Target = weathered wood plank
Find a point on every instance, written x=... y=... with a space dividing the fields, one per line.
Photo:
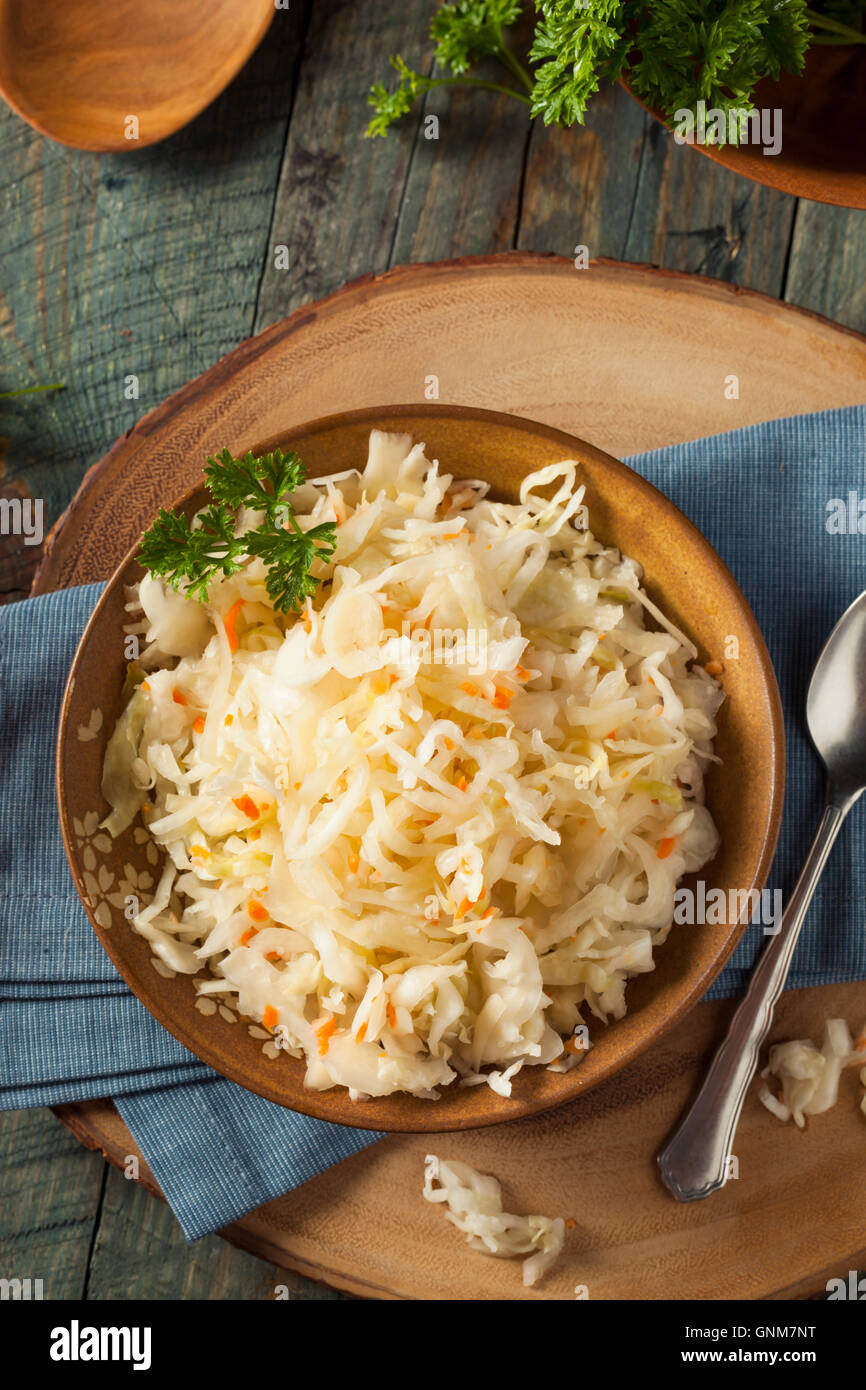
x=827 y=267
x=339 y=194
x=140 y=1252
x=49 y=1199
x=624 y=188
x=463 y=189
x=140 y=265
x=580 y=184
x=694 y=215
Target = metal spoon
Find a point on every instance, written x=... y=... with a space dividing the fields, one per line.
x=694 y=1162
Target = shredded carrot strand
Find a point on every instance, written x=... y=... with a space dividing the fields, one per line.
x=665 y=846
x=392 y=1014
x=229 y=621
x=361 y=1033
x=324 y=1033
x=178 y=696
x=247 y=806
x=199 y=725
x=256 y=911
x=354 y=862
x=468 y=688
x=248 y=935
x=270 y=1015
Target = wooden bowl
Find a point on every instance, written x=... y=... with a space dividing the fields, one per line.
x=682 y=572
x=823 y=154
x=78 y=69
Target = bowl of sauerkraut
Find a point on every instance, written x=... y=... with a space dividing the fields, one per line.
x=415 y=849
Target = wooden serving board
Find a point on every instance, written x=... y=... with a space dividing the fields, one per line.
x=794 y=1217
x=631 y=358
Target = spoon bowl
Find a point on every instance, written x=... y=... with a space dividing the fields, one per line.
x=836 y=704
x=120 y=74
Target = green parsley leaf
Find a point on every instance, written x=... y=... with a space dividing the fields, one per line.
x=290 y=556
x=574 y=50
x=391 y=106
x=260 y=483
x=471 y=29
x=190 y=557
x=464 y=32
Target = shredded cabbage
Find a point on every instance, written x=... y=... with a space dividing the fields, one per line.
x=420 y=827
x=474 y=1202
x=809 y=1077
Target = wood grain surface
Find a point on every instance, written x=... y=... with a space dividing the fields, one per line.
x=791 y=1219
x=82 y=73
x=158 y=262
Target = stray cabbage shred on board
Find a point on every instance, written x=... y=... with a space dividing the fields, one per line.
x=422 y=829
x=474 y=1202
x=808 y=1076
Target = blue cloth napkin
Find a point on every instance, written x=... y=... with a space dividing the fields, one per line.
x=763 y=497
x=71 y=1030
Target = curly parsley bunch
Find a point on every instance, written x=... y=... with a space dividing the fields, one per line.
x=673 y=53
x=190 y=557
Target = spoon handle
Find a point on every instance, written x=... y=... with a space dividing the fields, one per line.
x=695 y=1160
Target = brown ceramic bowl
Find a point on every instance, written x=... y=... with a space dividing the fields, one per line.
x=682 y=572
x=823 y=153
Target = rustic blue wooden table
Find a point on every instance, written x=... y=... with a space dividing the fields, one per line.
x=155 y=263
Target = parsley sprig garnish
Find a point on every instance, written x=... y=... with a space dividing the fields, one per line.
x=673 y=53
x=190 y=557
x=464 y=33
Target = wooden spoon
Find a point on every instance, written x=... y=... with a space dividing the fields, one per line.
x=119 y=74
